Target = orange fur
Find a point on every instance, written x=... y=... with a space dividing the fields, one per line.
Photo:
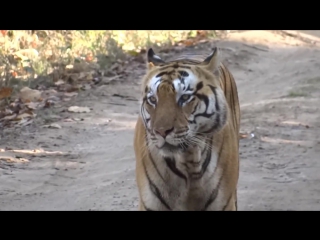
x=161 y=189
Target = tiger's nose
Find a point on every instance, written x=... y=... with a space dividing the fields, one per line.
x=163 y=132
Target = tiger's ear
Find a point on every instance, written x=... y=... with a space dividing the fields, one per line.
x=153 y=59
x=211 y=63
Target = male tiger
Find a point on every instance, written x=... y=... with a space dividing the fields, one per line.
x=187 y=136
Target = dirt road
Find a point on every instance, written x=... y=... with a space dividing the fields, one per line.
x=88 y=164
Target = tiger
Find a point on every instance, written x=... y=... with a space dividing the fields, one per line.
x=186 y=137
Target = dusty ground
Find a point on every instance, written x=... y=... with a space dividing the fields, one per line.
x=89 y=164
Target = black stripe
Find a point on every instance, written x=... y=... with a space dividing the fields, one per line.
x=225 y=206
x=198 y=87
x=223 y=78
x=164 y=67
x=145 y=207
x=161 y=74
x=236 y=200
x=154 y=189
x=195 y=108
x=205 y=99
x=183 y=73
x=218 y=161
x=143 y=115
x=152 y=160
x=206 y=162
x=171 y=163
x=232 y=85
x=187 y=67
x=182 y=130
x=183 y=146
x=155 y=166
x=236 y=204
x=212 y=129
x=213 y=195
x=215 y=96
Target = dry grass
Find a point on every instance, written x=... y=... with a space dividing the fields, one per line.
x=26 y=55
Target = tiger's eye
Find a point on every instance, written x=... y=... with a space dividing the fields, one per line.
x=152 y=99
x=185 y=97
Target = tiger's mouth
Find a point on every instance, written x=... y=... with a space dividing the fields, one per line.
x=173 y=148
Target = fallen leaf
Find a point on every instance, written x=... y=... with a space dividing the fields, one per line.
x=32 y=105
x=69 y=66
x=77 y=109
x=59 y=82
x=14 y=74
x=29 y=95
x=188 y=42
x=7 y=111
x=23 y=115
x=68 y=88
x=28 y=111
x=25 y=122
x=107 y=80
x=133 y=53
x=49 y=103
x=96 y=80
x=5 y=92
x=86 y=87
x=73 y=78
x=70 y=94
x=49 y=93
x=74 y=88
x=81 y=67
x=114 y=66
x=243 y=135
x=202 y=33
x=10 y=117
x=53 y=125
x=82 y=75
x=26 y=54
x=89 y=77
x=89 y=57
x=2 y=115
x=68 y=120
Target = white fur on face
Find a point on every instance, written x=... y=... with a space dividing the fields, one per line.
x=187 y=86
x=181 y=88
x=153 y=85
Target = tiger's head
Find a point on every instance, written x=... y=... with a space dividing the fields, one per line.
x=182 y=101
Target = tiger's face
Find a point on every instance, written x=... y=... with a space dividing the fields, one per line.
x=182 y=102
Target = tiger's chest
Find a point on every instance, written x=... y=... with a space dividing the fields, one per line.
x=191 y=191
